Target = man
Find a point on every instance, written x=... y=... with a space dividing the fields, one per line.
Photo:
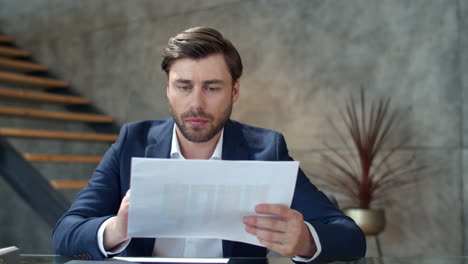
x=203 y=70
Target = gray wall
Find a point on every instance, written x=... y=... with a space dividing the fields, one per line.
x=302 y=58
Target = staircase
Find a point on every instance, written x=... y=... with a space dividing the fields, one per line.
x=26 y=82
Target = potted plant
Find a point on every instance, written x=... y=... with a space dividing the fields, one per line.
x=368 y=170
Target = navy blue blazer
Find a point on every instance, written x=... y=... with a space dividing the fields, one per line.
x=75 y=234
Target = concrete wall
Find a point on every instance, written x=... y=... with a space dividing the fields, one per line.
x=302 y=58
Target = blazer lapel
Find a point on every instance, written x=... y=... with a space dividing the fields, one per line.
x=234 y=147
x=162 y=138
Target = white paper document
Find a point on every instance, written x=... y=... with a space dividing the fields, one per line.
x=173 y=260
x=204 y=198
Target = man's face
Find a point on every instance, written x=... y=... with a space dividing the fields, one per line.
x=201 y=94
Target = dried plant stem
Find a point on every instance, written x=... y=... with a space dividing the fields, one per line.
x=375 y=172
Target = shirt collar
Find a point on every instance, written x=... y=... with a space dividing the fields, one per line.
x=177 y=154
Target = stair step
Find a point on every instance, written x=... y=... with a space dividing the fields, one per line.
x=42 y=97
x=68 y=184
x=64 y=135
x=13 y=52
x=61 y=158
x=21 y=79
x=37 y=113
x=5 y=39
x=22 y=66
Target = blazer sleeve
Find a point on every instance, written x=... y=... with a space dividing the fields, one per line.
x=75 y=234
x=340 y=237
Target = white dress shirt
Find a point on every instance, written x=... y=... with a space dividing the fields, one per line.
x=190 y=247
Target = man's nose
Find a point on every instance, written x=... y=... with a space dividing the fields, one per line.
x=198 y=99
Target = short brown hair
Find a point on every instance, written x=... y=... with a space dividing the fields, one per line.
x=199 y=43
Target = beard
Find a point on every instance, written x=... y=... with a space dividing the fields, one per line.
x=201 y=134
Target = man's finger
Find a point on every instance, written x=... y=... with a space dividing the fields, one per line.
x=273 y=209
x=277 y=248
x=127 y=196
x=266 y=223
x=267 y=235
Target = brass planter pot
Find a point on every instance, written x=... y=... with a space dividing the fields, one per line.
x=371 y=221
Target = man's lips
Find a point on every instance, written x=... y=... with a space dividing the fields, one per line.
x=197 y=122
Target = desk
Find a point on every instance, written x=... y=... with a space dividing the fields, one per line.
x=53 y=259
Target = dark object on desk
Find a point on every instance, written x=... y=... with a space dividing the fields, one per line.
x=251 y=261
x=10 y=255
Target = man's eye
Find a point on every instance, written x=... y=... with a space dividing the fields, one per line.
x=212 y=89
x=184 y=88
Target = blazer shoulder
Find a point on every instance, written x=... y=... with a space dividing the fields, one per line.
x=256 y=138
x=250 y=131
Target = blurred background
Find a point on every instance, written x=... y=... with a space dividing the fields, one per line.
x=302 y=60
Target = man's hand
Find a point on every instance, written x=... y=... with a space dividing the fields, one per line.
x=286 y=234
x=116 y=230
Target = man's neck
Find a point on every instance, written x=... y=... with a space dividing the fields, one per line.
x=193 y=150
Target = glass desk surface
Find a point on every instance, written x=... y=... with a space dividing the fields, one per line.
x=54 y=259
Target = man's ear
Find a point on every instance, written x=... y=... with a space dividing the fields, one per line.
x=235 y=90
x=167 y=94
